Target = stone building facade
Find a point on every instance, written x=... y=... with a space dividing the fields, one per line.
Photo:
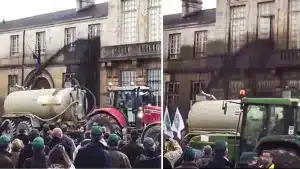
x=115 y=42
x=241 y=44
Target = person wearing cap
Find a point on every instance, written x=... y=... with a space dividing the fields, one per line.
x=248 y=160
x=93 y=155
x=148 y=159
x=46 y=133
x=57 y=138
x=220 y=160
x=23 y=136
x=27 y=151
x=120 y=160
x=189 y=159
x=133 y=149
x=38 y=160
x=173 y=151
x=5 y=156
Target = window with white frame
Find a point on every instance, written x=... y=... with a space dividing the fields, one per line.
x=154 y=20
x=238 y=28
x=70 y=37
x=129 y=11
x=200 y=43
x=266 y=24
x=294 y=24
x=154 y=81
x=174 y=46
x=14 y=45
x=94 y=30
x=127 y=77
x=40 y=40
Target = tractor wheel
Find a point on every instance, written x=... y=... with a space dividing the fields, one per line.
x=111 y=124
x=8 y=127
x=153 y=132
x=24 y=125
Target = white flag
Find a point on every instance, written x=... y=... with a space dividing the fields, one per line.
x=167 y=124
x=178 y=123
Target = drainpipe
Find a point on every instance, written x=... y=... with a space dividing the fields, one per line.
x=23 y=57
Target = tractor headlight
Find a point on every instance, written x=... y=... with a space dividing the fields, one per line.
x=140 y=113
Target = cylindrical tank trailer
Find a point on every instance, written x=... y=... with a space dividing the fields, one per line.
x=209 y=115
x=45 y=105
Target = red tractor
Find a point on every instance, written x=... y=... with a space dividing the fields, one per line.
x=129 y=107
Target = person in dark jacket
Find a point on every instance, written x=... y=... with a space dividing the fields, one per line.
x=87 y=140
x=23 y=136
x=67 y=140
x=93 y=155
x=220 y=160
x=248 y=160
x=5 y=156
x=27 y=151
x=46 y=134
x=148 y=159
x=120 y=160
x=57 y=138
x=38 y=160
x=189 y=159
x=133 y=149
x=206 y=158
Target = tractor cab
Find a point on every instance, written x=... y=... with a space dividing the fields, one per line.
x=130 y=100
x=268 y=117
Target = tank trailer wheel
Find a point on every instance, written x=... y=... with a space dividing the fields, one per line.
x=9 y=128
x=25 y=125
x=106 y=120
x=153 y=132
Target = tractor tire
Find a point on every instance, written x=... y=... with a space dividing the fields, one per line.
x=8 y=127
x=25 y=125
x=153 y=132
x=106 y=120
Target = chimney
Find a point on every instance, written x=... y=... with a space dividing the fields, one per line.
x=190 y=7
x=83 y=4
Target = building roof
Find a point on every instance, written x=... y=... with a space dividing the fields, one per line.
x=97 y=10
x=207 y=16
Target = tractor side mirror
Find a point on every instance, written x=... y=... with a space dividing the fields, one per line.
x=224 y=107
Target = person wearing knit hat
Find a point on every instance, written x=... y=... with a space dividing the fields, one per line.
x=38 y=143
x=5 y=156
x=93 y=155
x=189 y=156
x=120 y=160
x=113 y=140
x=38 y=159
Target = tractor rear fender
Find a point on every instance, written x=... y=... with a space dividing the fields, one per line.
x=148 y=127
x=115 y=113
x=287 y=142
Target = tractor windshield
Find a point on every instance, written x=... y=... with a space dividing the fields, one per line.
x=264 y=120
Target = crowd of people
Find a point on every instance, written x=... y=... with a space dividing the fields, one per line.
x=55 y=149
x=186 y=157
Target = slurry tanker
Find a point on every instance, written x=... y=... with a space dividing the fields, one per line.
x=129 y=107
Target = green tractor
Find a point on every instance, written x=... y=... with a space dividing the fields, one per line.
x=268 y=124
